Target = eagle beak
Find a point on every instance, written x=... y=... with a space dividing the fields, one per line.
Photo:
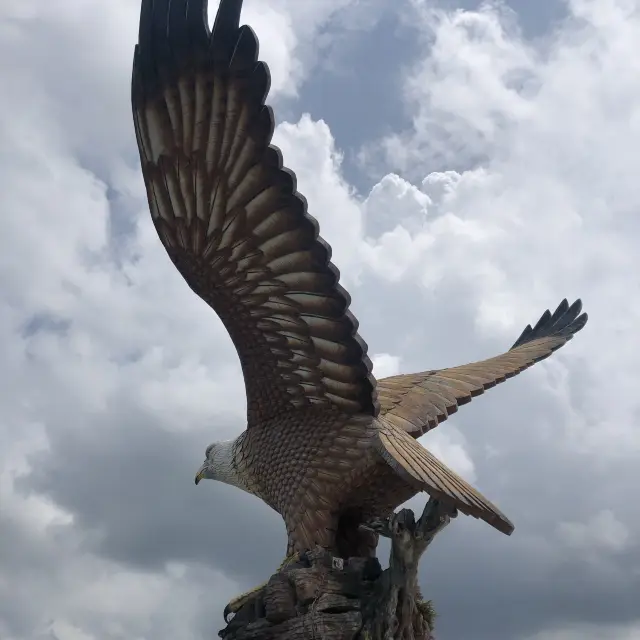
x=200 y=474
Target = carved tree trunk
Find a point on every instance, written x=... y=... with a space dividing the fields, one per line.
x=326 y=598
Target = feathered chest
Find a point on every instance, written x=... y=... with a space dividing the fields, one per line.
x=306 y=451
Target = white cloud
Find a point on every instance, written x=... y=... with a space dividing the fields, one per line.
x=449 y=445
x=395 y=202
x=63 y=630
x=577 y=632
x=385 y=365
x=602 y=530
x=309 y=147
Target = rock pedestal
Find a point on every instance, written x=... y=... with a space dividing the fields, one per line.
x=321 y=597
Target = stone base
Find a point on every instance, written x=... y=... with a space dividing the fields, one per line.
x=325 y=598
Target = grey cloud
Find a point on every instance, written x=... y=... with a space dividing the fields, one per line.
x=129 y=483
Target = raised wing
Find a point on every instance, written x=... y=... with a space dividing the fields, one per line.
x=418 y=402
x=229 y=215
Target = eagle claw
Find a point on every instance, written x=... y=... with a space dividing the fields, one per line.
x=237 y=603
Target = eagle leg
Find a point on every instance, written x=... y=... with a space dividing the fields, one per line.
x=435 y=516
x=245 y=598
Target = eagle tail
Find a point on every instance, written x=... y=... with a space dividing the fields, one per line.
x=420 y=468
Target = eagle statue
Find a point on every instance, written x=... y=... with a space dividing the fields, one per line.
x=326 y=445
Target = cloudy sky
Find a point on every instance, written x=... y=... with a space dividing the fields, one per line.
x=471 y=165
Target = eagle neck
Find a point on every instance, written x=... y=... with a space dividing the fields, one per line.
x=227 y=468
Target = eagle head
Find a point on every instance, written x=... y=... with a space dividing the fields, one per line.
x=219 y=464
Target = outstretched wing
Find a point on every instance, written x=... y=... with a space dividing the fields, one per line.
x=418 y=402
x=229 y=215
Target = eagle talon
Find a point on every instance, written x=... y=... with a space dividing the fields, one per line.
x=240 y=601
x=237 y=603
x=381 y=526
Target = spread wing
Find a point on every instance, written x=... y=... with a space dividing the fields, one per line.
x=229 y=215
x=418 y=402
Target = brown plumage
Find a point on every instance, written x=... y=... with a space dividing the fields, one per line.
x=325 y=444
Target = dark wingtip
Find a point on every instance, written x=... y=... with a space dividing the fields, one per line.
x=564 y=322
x=164 y=19
x=504 y=525
x=168 y=31
x=173 y=32
x=228 y=17
x=224 y=35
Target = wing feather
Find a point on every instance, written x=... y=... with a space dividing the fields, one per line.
x=229 y=215
x=420 y=468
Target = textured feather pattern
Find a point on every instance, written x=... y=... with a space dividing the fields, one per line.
x=410 y=460
x=418 y=402
x=229 y=215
